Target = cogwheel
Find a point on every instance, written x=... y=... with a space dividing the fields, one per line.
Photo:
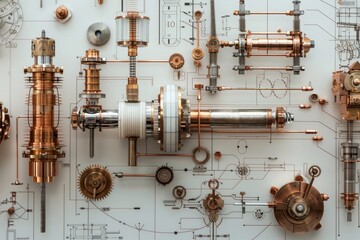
x=164 y=175
x=95 y=182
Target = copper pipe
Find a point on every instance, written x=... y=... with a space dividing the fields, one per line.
x=288 y=68
x=163 y=155
x=137 y=175
x=260 y=131
x=288 y=13
x=270 y=33
x=305 y=89
x=138 y=61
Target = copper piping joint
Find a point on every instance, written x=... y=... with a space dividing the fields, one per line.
x=92 y=93
x=4 y=123
x=43 y=148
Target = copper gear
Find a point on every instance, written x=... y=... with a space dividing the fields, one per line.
x=95 y=182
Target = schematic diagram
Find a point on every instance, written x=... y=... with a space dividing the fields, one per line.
x=179 y=119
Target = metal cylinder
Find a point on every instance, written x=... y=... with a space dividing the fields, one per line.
x=349 y=157
x=132 y=151
x=105 y=119
x=233 y=118
x=43 y=147
x=132 y=29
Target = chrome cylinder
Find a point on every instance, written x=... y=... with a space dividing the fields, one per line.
x=103 y=119
x=237 y=118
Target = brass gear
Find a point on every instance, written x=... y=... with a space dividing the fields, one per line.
x=95 y=182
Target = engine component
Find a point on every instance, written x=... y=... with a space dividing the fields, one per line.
x=62 y=14
x=91 y=115
x=98 y=34
x=176 y=61
x=298 y=206
x=179 y=192
x=213 y=202
x=242 y=118
x=293 y=43
x=4 y=123
x=346 y=90
x=132 y=32
x=197 y=52
x=43 y=148
x=213 y=46
x=164 y=175
x=95 y=182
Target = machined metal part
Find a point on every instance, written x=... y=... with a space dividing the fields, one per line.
x=43 y=147
x=298 y=206
x=241 y=118
x=62 y=14
x=98 y=34
x=179 y=192
x=95 y=182
x=213 y=46
x=213 y=202
x=288 y=44
x=164 y=175
x=346 y=91
x=176 y=61
x=91 y=115
x=4 y=123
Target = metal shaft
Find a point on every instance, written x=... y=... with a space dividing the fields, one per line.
x=349 y=158
x=43 y=208
x=132 y=152
x=92 y=140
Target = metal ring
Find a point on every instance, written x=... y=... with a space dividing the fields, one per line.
x=314 y=171
x=198 y=161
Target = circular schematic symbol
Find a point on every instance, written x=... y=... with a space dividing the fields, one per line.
x=164 y=175
x=95 y=182
x=259 y=214
x=242 y=146
x=265 y=87
x=11 y=19
x=280 y=84
x=243 y=170
x=179 y=192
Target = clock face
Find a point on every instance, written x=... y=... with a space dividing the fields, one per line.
x=11 y=19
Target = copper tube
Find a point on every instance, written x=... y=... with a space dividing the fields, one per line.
x=260 y=131
x=270 y=33
x=138 y=61
x=288 y=13
x=287 y=68
x=305 y=89
x=163 y=155
x=137 y=175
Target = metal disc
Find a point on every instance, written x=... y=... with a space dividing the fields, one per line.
x=98 y=34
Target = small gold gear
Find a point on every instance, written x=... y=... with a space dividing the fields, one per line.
x=95 y=182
